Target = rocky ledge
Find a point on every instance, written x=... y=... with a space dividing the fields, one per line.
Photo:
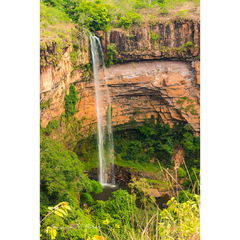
x=177 y=39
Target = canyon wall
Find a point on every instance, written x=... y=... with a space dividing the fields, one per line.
x=176 y=39
x=160 y=79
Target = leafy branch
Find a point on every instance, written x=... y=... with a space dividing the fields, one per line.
x=61 y=210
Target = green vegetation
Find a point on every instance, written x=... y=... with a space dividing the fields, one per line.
x=61 y=177
x=130 y=18
x=93 y=14
x=189 y=44
x=77 y=224
x=163 y=11
x=186 y=104
x=60 y=210
x=70 y=101
x=147 y=147
x=158 y=184
x=55 y=29
x=182 y=13
x=154 y=37
x=185 y=216
x=119 y=218
x=51 y=14
x=135 y=148
x=49 y=128
x=116 y=209
x=181 y=173
x=141 y=187
x=111 y=52
x=45 y=105
x=149 y=141
x=122 y=221
x=65 y=22
x=106 y=14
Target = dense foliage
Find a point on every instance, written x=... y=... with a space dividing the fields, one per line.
x=157 y=141
x=62 y=20
x=111 y=51
x=70 y=101
x=61 y=176
x=117 y=209
x=94 y=14
x=62 y=179
x=107 y=14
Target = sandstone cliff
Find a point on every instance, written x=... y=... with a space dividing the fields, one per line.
x=177 y=39
x=138 y=88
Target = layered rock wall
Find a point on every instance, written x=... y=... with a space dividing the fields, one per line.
x=176 y=39
x=55 y=82
x=139 y=89
x=153 y=88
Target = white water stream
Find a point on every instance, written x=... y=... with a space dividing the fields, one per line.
x=104 y=115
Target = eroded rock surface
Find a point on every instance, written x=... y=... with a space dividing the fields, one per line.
x=138 y=91
x=153 y=88
x=158 y=41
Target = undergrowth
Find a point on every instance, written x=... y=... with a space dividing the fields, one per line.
x=120 y=218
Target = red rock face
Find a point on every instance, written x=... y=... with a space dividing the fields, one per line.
x=138 y=89
x=137 y=92
x=153 y=88
x=55 y=81
x=170 y=43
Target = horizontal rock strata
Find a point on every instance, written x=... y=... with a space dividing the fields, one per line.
x=168 y=40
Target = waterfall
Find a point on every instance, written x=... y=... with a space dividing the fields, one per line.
x=104 y=115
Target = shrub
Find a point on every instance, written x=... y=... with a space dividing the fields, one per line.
x=185 y=215
x=130 y=19
x=193 y=181
x=142 y=191
x=186 y=195
x=95 y=14
x=61 y=176
x=120 y=205
x=154 y=37
x=163 y=11
x=70 y=101
x=76 y=225
x=182 y=13
x=189 y=44
x=49 y=128
x=51 y=15
x=139 y=5
x=181 y=173
x=111 y=51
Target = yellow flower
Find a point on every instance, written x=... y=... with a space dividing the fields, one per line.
x=96 y=237
x=117 y=226
x=106 y=222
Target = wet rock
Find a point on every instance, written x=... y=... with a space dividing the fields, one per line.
x=164 y=206
x=154 y=193
x=119 y=175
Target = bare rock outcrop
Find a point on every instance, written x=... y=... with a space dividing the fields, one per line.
x=173 y=39
x=161 y=87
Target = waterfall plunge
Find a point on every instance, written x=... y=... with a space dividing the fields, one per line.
x=104 y=116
